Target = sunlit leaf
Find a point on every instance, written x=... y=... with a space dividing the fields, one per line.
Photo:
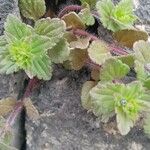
x=32 y=9
x=113 y=69
x=31 y=110
x=92 y=3
x=129 y=37
x=99 y=52
x=15 y=29
x=60 y=52
x=54 y=29
x=72 y=20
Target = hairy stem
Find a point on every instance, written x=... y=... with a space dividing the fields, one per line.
x=19 y=106
x=114 y=49
x=68 y=9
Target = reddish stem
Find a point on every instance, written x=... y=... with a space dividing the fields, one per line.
x=20 y=104
x=68 y=9
x=118 y=50
x=80 y=32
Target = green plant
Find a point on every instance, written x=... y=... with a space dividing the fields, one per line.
x=116 y=17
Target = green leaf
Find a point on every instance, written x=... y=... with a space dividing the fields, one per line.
x=72 y=20
x=113 y=69
x=126 y=101
x=32 y=9
x=86 y=16
x=99 y=52
x=85 y=96
x=92 y=3
x=142 y=51
x=53 y=29
x=124 y=123
x=15 y=29
x=116 y=17
x=60 y=52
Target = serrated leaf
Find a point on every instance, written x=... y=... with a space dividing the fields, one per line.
x=31 y=110
x=72 y=20
x=54 y=29
x=15 y=29
x=113 y=69
x=129 y=37
x=77 y=58
x=32 y=9
x=127 y=59
x=85 y=96
x=124 y=123
x=99 y=52
x=86 y=16
x=92 y=3
x=116 y=17
x=142 y=49
x=80 y=43
x=60 y=52
x=6 y=105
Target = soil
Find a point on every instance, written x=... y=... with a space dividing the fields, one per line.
x=64 y=124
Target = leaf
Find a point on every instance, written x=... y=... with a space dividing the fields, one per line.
x=80 y=43
x=92 y=3
x=95 y=74
x=113 y=69
x=142 y=51
x=99 y=52
x=129 y=37
x=15 y=29
x=147 y=125
x=86 y=16
x=116 y=17
x=60 y=52
x=3 y=43
x=85 y=96
x=77 y=58
x=32 y=9
x=54 y=29
x=7 y=105
x=127 y=59
x=124 y=123
x=31 y=111
x=72 y=20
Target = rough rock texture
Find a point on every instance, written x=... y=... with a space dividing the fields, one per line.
x=12 y=84
x=65 y=125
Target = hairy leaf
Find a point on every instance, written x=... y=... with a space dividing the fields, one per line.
x=15 y=29
x=80 y=43
x=54 y=29
x=99 y=52
x=32 y=9
x=72 y=20
x=113 y=69
x=31 y=110
x=60 y=52
x=116 y=17
x=86 y=16
x=126 y=101
x=92 y=3
x=85 y=96
x=129 y=37
x=6 y=105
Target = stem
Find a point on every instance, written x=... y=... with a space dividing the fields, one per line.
x=20 y=104
x=118 y=50
x=80 y=32
x=68 y=9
